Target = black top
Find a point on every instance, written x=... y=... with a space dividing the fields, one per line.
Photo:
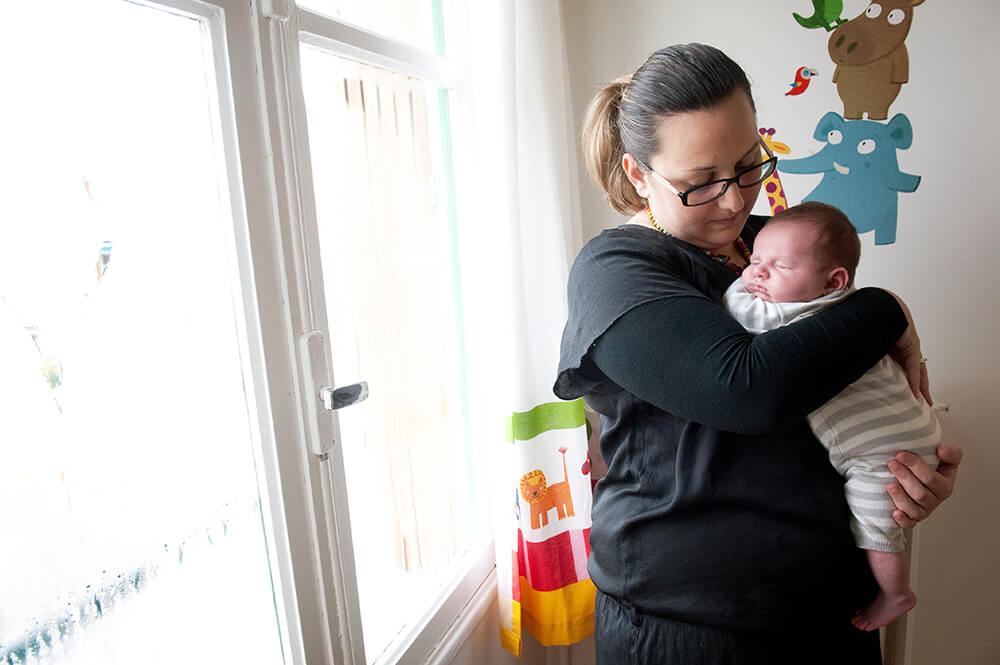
x=719 y=506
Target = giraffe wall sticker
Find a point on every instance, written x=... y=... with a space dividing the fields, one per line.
x=772 y=184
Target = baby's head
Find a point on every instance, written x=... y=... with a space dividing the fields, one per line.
x=802 y=253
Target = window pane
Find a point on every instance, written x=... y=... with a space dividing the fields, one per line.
x=391 y=296
x=409 y=21
x=129 y=506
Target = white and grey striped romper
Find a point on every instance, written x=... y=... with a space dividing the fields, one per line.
x=862 y=427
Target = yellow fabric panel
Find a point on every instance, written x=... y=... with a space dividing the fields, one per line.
x=558 y=617
x=511 y=641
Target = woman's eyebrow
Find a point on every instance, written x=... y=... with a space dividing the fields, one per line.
x=755 y=148
x=696 y=169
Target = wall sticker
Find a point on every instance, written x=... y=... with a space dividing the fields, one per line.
x=871 y=58
x=861 y=174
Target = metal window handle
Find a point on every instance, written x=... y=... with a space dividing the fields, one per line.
x=338 y=398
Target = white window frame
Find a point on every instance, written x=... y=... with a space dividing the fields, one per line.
x=264 y=134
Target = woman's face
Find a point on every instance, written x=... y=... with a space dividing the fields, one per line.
x=696 y=148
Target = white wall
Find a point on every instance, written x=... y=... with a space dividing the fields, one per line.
x=941 y=263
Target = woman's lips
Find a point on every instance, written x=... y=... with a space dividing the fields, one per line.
x=725 y=220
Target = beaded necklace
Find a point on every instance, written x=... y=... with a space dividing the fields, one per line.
x=721 y=258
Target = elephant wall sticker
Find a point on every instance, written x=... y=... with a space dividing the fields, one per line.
x=860 y=170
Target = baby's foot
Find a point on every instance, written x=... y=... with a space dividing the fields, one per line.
x=884 y=610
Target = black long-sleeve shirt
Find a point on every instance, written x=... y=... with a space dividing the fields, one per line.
x=719 y=506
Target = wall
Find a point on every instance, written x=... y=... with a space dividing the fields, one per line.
x=941 y=263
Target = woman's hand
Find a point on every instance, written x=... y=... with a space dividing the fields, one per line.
x=921 y=489
x=907 y=353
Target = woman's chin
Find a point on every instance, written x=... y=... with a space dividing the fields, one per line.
x=724 y=233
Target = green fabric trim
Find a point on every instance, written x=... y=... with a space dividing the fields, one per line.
x=522 y=426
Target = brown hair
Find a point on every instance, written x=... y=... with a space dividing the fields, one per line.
x=625 y=114
x=836 y=238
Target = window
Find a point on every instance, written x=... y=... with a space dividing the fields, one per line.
x=131 y=495
x=379 y=146
x=197 y=205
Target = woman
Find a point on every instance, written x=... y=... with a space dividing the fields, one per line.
x=720 y=532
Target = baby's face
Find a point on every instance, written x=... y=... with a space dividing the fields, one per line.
x=784 y=266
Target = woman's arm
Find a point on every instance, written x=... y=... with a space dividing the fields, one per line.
x=686 y=355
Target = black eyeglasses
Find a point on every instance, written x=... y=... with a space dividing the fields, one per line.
x=702 y=194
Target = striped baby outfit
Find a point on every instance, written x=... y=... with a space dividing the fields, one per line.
x=862 y=427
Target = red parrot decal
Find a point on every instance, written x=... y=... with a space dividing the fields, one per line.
x=801 y=82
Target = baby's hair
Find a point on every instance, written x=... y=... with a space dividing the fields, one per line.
x=836 y=238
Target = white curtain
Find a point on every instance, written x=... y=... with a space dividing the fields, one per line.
x=528 y=230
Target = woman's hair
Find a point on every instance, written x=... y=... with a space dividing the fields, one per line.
x=625 y=114
x=836 y=243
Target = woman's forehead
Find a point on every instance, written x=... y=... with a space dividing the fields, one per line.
x=709 y=138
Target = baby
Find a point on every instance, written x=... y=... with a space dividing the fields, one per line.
x=804 y=261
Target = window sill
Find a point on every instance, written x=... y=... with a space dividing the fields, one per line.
x=436 y=640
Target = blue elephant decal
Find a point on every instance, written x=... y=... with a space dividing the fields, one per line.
x=861 y=175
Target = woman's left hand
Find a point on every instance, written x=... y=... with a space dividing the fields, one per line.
x=920 y=489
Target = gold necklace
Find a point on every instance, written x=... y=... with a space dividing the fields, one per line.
x=721 y=258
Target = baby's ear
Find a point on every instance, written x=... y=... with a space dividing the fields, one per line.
x=837 y=280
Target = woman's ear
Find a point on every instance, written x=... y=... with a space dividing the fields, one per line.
x=636 y=175
x=837 y=280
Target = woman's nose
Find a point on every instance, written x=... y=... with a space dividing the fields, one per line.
x=733 y=198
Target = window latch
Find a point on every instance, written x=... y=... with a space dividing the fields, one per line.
x=338 y=398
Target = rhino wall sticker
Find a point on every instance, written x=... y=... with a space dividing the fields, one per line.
x=861 y=174
x=870 y=54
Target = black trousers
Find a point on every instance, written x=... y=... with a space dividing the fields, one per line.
x=624 y=636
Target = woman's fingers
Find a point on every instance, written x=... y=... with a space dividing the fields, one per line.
x=919 y=488
x=913 y=493
x=951 y=457
x=904 y=507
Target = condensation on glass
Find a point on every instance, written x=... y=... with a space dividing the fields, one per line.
x=130 y=512
x=392 y=298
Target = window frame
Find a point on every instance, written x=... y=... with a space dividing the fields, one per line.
x=314 y=551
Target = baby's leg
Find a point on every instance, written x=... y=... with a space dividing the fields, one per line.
x=895 y=597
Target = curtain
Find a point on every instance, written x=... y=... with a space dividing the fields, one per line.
x=527 y=194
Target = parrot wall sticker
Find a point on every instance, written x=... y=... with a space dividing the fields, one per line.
x=861 y=174
x=826 y=15
x=801 y=83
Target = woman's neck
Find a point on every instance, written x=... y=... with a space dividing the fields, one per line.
x=731 y=251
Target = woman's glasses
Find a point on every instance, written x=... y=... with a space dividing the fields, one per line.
x=711 y=191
